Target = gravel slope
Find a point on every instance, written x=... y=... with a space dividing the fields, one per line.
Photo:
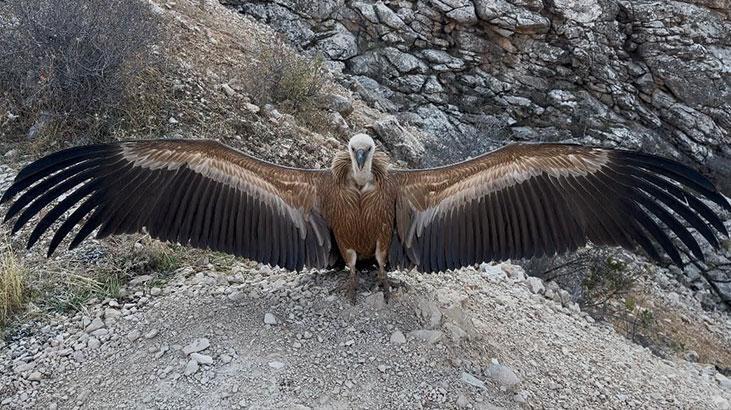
x=437 y=344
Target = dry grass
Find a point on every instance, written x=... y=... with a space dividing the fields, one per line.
x=284 y=77
x=666 y=330
x=78 y=71
x=12 y=276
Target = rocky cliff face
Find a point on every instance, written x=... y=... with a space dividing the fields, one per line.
x=473 y=73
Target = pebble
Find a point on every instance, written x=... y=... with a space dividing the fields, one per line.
x=93 y=343
x=196 y=346
x=398 y=338
x=99 y=332
x=110 y=313
x=276 y=365
x=270 y=319
x=155 y=291
x=429 y=336
x=521 y=396
x=502 y=375
x=252 y=108
x=724 y=382
x=236 y=296
x=95 y=324
x=201 y=358
x=35 y=376
x=191 y=367
x=721 y=403
x=152 y=333
x=228 y=90
x=134 y=335
x=24 y=367
x=173 y=120
x=535 y=285
x=472 y=380
x=462 y=401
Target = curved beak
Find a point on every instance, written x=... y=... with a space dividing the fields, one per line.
x=360 y=157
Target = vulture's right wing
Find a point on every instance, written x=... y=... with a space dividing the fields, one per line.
x=528 y=200
x=194 y=192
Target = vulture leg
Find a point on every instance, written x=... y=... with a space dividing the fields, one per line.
x=381 y=255
x=352 y=283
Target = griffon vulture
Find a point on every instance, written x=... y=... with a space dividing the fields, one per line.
x=520 y=201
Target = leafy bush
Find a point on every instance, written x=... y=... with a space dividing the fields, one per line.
x=75 y=67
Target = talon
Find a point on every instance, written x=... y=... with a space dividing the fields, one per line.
x=385 y=285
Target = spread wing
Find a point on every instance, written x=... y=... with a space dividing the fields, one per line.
x=198 y=193
x=529 y=200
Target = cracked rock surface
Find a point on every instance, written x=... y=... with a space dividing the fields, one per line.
x=472 y=74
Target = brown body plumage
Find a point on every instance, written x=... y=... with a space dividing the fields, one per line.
x=520 y=201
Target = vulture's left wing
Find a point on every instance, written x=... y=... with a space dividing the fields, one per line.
x=195 y=192
x=529 y=200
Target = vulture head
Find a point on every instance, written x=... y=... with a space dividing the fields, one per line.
x=361 y=148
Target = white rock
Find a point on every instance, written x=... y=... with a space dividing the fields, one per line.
x=430 y=312
x=152 y=333
x=503 y=375
x=95 y=324
x=521 y=396
x=270 y=319
x=155 y=291
x=429 y=336
x=24 y=367
x=723 y=381
x=201 y=358
x=228 y=90
x=99 y=333
x=236 y=296
x=196 y=346
x=78 y=356
x=462 y=401
x=472 y=380
x=110 y=313
x=535 y=285
x=173 y=121
x=276 y=365
x=133 y=335
x=35 y=377
x=398 y=338
x=191 y=367
x=253 y=108
x=515 y=273
x=93 y=343
x=721 y=403
x=492 y=271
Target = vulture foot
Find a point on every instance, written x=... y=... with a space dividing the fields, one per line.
x=385 y=285
x=349 y=287
x=389 y=286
